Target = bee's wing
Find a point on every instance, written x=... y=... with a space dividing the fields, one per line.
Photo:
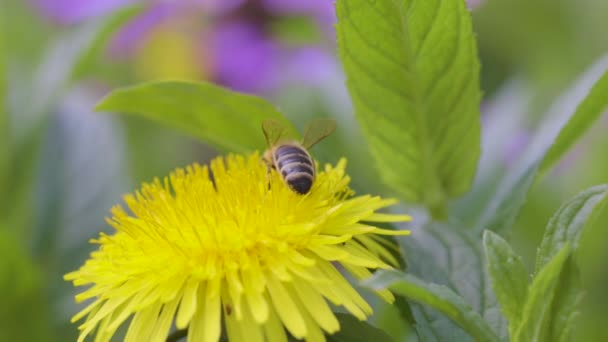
x=316 y=130
x=274 y=131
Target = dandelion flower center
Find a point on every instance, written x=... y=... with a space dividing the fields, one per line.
x=232 y=246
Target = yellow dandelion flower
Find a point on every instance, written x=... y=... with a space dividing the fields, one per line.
x=238 y=251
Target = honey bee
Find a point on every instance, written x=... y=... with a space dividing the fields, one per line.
x=291 y=158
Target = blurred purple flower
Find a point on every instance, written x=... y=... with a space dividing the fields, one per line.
x=130 y=37
x=515 y=147
x=308 y=65
x=244 y=59
x=472 y=4
x=237 y=42
x=322 y=10
x=73 y=11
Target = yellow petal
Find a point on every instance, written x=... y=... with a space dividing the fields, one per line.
x=273 y=328
x=143 y=323
x=316 y=306
x=163 y=324
x=187 y=306
x=286 y=308
x=212 y=315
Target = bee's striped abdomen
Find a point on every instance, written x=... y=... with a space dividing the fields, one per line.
x=296 y=167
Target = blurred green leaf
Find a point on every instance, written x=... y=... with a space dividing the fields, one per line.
x=588 y=111
x=450 y=255
x=509 y=277
x=567 y=224
x=16 y=208
x=296 y=31
x=354 y=330
x=439 y=297
x=537 y=312
x=412 y=72
x=29 y=114
x=65 y=60
x=24 y=314
x=228 y=120
x=577 y=104
x=5 y=140
x=107 y=27
x=24 y=30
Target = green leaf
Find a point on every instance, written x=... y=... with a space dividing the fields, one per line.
x=568 y=223
x=508 y=275
x=450 y=255
x=573 y=112
x=587 y=112
x=537 y=310
x=228 y=120
x=354 y=330
x=412 y=73
x=439 y=297
x=396 y=319
x=24 y=313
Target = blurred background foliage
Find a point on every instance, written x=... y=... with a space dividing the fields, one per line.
x=65 y=165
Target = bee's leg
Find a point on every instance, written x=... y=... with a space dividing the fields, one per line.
x=269 y=167
x=212 y=178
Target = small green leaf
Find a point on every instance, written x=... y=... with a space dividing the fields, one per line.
x=587 y=112
x=570 y=225
x=508 y=275
x=568 y=222
x=537 y=313
x=591 y=253
x=354 y=330
x=572 y=113
x=413 y=75
x=439 y=297
x=228 y=120
x=565 y=308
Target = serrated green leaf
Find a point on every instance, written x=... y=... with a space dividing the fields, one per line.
x=568 y=222
x=509 y=276
x=228 y=120
x=354 y=330
x=536 y=315
x=573 y=112
x=412 y=73
x=594 y=104
x=439 y=297
x=450 y=255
